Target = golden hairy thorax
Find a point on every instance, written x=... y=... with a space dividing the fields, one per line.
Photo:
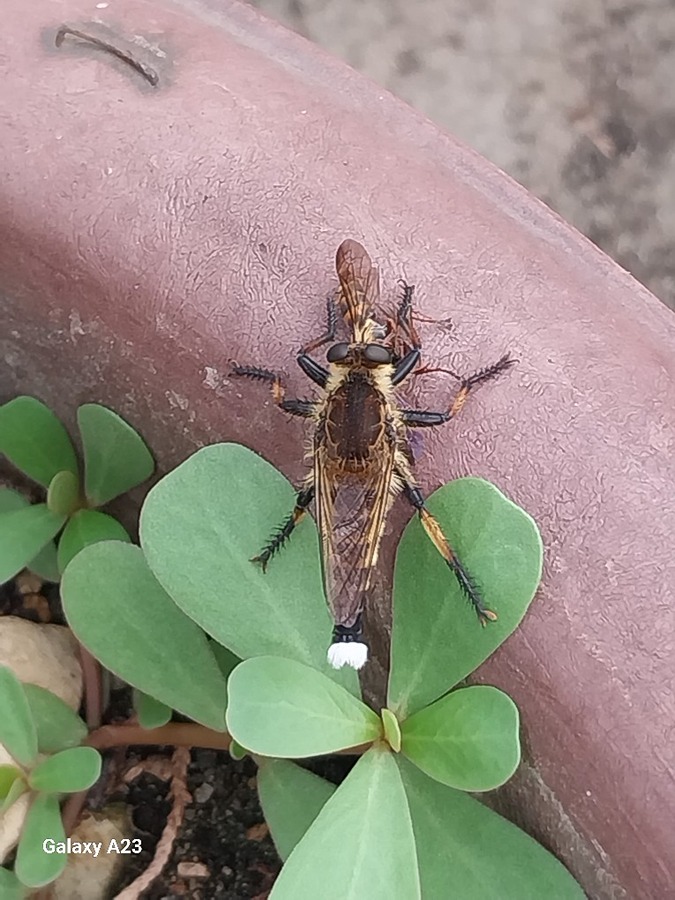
x=358 y=421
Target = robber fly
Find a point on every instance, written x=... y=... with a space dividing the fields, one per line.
x=359 y=446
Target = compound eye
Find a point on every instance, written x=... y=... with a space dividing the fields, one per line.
x=376 y=354
x=337 y=353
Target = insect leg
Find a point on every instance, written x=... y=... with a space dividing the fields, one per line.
x=329 y=333
x=421 y=418
x=310 y=367
x=404 y=364
x=303 y=408
x=304 y=498
x=404 y=315
x=440 y=542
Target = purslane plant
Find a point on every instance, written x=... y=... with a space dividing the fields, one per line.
x=42 y=735
x=399 y=825
x=115 y=460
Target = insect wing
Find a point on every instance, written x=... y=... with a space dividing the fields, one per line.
x=359 y=289
x=351 y=513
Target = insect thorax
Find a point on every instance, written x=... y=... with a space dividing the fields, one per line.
x=355 y=418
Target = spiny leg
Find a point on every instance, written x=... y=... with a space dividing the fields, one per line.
x=404 y=314
x=329 y=333
x=309 y=366
x=440 y=542
x=406 y=343
x=303 y=408
x=420 y=418
x=404 y=363
x=304 y=498
x=468 y=383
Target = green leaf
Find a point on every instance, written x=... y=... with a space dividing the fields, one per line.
x=11 y=500
x=467 y=739
x=88 y=526
x=58 y=726
x=291 y=798
x=199 y=528
x=116 y=458
x=10 y=886
x=8 y=775
x=35 y=866
x=237 y=752
x=44 y=564
x=34 y=440
x=467 y=851
x=436 y=638
x=392 y=730
x=17 y=729
x=153 y=645
x=279 y=707
x=23 y=534
x=16 y=790
x=361 y=844
x=226 y=660
x=67 y=772
x=63 y=494
x=151 y=713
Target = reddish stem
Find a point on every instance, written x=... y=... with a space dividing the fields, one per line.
x=176 y=734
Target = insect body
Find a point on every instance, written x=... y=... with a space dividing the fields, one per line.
x=359 y=447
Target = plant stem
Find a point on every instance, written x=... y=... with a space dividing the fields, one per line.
x=177 y=734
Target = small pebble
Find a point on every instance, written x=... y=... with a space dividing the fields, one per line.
x=203 y=793
x=28 y=583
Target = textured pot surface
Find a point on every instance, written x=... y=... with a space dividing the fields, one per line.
x=149 y=233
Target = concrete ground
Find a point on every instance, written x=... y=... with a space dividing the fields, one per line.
x=573 y=98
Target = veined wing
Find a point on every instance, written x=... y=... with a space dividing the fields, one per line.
x=351 y=513
x=360 y=289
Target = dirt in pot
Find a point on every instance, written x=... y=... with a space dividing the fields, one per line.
x=223 y=833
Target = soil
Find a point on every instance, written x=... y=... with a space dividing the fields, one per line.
x=223 y=829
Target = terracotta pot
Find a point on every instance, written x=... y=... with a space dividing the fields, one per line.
x=150 y=233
